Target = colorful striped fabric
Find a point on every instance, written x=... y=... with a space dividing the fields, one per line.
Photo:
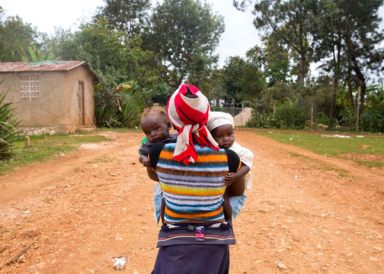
x=193 y=193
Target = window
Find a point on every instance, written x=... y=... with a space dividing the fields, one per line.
x=29 y=87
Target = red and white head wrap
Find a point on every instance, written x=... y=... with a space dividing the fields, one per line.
x=188 y=111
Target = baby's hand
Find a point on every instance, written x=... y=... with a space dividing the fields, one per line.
x=144 y=160
x=230 y=178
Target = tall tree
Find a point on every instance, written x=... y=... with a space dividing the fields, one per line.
x=288 y=20
x=328 y=46
x=362 y=37
x=128 y=16
x=346 y=39
x=15 y=38
x=276 y=59
x=184 y=34
x=243 y=80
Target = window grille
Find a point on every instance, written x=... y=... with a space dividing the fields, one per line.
x=29 y=87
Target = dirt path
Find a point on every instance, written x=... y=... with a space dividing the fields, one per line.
x=306 y=213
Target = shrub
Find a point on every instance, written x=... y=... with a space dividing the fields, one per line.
x=8 y=130
x=261 y=120
x=373 y=118
x=290 y=115
x=131 y=98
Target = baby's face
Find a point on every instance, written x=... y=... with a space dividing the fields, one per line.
x=224 y=136
x=155 y=127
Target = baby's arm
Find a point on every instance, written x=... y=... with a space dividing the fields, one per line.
x=235 y=181
x=232 y=177
x=144 y=160
x=143 y=153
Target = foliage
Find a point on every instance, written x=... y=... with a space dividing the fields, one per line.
x=345 y=39
x=277 y=59
x=126 y=16
x=15 y=39
x=8 y=130
x=289 y=115
x=120 y=107
x=288 y=22
x=242 y=80
x=184 y=34
x=262 y=120
x=131 y=99
x=106 y=106
x=374 y=113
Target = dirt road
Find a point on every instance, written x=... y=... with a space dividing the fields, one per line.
x=306 y=213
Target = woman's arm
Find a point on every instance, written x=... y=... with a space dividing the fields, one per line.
x=152 y=174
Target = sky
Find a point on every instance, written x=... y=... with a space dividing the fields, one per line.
x=240 y=35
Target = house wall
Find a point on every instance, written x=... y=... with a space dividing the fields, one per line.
x=57 y=105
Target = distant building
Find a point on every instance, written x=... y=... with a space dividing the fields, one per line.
x=52 y=94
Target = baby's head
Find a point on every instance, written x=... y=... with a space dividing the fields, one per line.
x=221 y=125
x=155 y=124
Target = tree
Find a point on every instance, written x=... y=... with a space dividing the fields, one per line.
x=346 y=39
x=184 y=34
x=15 y=38
x=328 y=44
x=276 y=59
x=361 y=38
x=242 y=80
x=127 y=16
x=288 y=20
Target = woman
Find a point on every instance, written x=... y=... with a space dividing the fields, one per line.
x=195 y=237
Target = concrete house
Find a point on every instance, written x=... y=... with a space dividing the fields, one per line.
x=57 y=95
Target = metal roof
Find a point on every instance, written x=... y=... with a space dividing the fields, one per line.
x=40 y=66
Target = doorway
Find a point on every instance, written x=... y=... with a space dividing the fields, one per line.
x=80 y=100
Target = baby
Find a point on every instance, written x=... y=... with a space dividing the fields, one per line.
x=155 y=125
x=221 y=125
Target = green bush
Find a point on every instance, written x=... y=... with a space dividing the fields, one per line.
x=106 y=109
x=8 y=130
x=131 y=99
x=373 y=118
x=120 y=107
x=261 y=120
x=322 y=118
x=290 y=115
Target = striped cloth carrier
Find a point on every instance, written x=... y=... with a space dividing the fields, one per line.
x=193 y=193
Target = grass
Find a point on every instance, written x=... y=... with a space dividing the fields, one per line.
x=357 y=147
x=45 y=147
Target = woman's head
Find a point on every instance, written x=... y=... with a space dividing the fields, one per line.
x=221 y=125
x=188 y=106
x=155 y=124
x=188 y=110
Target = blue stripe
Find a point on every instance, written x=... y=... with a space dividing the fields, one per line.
x=183 y=208
x=189 y=178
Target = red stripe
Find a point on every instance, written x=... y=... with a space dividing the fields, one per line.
x=189 y=115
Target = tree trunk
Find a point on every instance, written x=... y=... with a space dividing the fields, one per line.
x=362 y=83
x=350 y=88
x=336 y=77
x=333 y=101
